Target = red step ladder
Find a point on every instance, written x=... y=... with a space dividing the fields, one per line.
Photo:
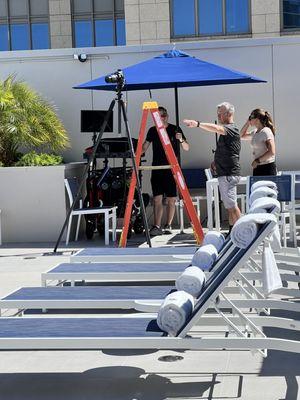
x=152 y=107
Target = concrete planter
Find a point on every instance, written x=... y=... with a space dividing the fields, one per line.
x=33 y=202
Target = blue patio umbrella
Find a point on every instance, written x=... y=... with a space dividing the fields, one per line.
x=173 y=69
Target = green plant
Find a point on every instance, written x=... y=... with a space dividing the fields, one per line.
x=27 y=121
x=32 y=158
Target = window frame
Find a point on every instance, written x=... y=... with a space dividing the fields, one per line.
x=94 y=16
x=224 y=33
x=282 y=29
x=26 y=19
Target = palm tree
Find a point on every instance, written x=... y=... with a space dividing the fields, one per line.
x=27 y=120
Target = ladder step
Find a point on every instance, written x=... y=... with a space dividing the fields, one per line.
x=152 y=167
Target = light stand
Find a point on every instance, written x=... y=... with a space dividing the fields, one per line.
x=117 y=78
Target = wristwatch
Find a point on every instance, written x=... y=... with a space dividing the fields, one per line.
x=198 y=124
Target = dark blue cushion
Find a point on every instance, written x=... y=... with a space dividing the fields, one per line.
x=195 y=177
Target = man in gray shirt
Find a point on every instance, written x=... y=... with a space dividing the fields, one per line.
x=227 y=157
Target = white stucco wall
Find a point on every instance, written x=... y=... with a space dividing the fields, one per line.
x=33 y=202
x=54 y=72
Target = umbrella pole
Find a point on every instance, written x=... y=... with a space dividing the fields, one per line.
x=178 y=148
x=176 y=106
x=177 y=122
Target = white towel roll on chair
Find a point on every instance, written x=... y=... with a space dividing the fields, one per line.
x=174 y=311
x=258 y=184
x=245 y=229
x=205 y=256
x=215 y=238
x=262 y=192
x=191 y=281
x=264 y=204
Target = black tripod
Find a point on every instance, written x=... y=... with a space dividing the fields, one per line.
x=117 y=78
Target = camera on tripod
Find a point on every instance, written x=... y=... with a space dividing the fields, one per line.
x=116 y=77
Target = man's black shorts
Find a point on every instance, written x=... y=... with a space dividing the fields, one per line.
x=163 y=183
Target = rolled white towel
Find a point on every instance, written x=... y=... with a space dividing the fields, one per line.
x=245 y=229
x=262 y=192
x=264 y=204
x=271 y=277
x=191 y=281
x=205 y=256
x=215 y=238
x=258 y=184
x=174 y=312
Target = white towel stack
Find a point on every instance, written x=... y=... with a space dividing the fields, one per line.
x=174 y=312
x=264 y=204
x=191 y=281
x=262 y=192
x=259 y=184
x=215 y=238
x=271 y=277
x=246 y=228
x=205 y=256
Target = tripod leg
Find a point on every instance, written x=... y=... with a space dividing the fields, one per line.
x=138 y=182
x=68 y=231
x=81 y=182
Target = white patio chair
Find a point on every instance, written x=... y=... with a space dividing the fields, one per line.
x=196 y=199
x=211 y=202
x=109 y=213
x=293 y=208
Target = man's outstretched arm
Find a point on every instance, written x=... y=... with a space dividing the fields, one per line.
x=214 y=128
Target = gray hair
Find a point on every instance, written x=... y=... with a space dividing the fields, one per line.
x=229 y=107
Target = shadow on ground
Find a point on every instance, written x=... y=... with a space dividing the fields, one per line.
x=109 y=383
x=281 y=363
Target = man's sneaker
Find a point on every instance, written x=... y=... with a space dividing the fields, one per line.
x=155 y=231
x=167 y=229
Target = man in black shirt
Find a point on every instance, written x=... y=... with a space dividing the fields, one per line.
x=162 y=181
x=227 y=157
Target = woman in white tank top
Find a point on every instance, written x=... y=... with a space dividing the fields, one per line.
x=260 y=129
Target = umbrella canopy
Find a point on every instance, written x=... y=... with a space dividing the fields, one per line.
x=173 y=69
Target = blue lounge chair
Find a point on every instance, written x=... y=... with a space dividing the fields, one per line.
x=143 y=298
x=142 y=332
x=136 y=254
x=122 y=297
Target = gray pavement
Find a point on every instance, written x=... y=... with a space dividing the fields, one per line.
x=129 y=375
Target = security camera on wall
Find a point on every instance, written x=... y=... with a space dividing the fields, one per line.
x=80 y=57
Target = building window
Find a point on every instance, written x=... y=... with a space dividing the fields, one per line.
x=98 y=23
x=193 y=18
x=290 y=15
x=24 y=24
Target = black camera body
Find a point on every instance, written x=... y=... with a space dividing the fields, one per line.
x=117 y=77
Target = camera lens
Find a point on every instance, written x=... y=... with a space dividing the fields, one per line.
x=104 y=186
x=116 y=77
x=116 y=184
x=113 y=78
